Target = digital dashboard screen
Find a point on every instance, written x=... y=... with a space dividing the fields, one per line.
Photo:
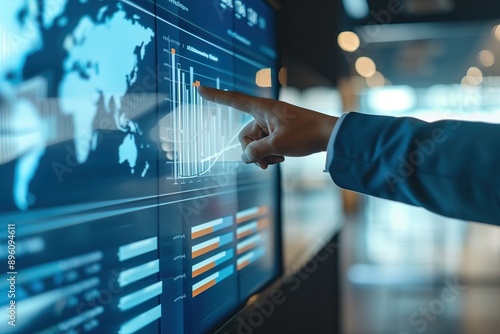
x=124 y=207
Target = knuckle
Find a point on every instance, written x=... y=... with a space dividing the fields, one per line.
x=252 y=151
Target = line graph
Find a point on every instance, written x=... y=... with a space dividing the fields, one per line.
x=198 y=135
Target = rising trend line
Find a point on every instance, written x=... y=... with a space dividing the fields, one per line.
x=218 y=155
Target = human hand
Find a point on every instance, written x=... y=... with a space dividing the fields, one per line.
x=279 y=129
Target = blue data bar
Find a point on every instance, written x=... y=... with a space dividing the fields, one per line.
x=212 y=262
x=211 y=227
x=229 y=256
x=226 y=239
x=141 y=321
x=226 y=222
x=140 y=296
x=225 y=273
x=137 y=273
x=212 y=244
x=211 y=280
x=134 y=249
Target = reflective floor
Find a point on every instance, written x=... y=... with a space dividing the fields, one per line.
x=407 y=271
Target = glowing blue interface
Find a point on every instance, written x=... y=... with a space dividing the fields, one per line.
x=124 y=207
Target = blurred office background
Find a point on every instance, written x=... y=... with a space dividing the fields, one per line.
x=430 y=59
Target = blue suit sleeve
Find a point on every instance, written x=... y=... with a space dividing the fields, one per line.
x=449 y=167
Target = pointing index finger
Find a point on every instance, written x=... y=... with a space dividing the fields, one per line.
x=237 y=100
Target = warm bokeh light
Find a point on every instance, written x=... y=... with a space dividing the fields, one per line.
x=474 y=76
x=496 y=32
x=365 y=67
x=486 y=58
x=348 y=41
x=376 y=80
x=263 y=78
x=283 y=76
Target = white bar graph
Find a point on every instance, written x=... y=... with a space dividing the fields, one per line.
x=199 y=133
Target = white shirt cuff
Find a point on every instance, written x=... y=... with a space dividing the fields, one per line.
x=331 y=143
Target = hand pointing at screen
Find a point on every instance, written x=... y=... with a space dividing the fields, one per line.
x=278 y=130
x=448 y=167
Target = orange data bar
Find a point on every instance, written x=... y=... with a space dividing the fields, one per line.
x=212 y=280
x=247 y=229
x=204 y=288
x=202 y=233
x=243 y=265
x=172 y=51
x=245 y=234
x=246 y=248
x=249 y=243
x=251 y=213
x=203 y=269
x=212 y=262
x=205 y=250
x=210 y=245
x=210 y=227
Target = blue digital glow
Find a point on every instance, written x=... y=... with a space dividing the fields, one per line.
x=120 y=183
x=357 y=9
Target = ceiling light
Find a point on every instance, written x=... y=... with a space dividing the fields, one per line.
x=486 y=58
x=496 y=32
x=348 y=41
x=365 y=67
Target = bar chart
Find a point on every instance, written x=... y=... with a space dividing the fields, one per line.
x=128 y=255
x=212 y=249
x=197 y=134
x=227 y=249
x=74 y=285
x=252 y=235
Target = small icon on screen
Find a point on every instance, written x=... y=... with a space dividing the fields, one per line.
x=226 y=4
x=240 y=9
x=252 y=17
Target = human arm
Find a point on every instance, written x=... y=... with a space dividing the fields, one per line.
x=448 y=167
x=279 y=129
